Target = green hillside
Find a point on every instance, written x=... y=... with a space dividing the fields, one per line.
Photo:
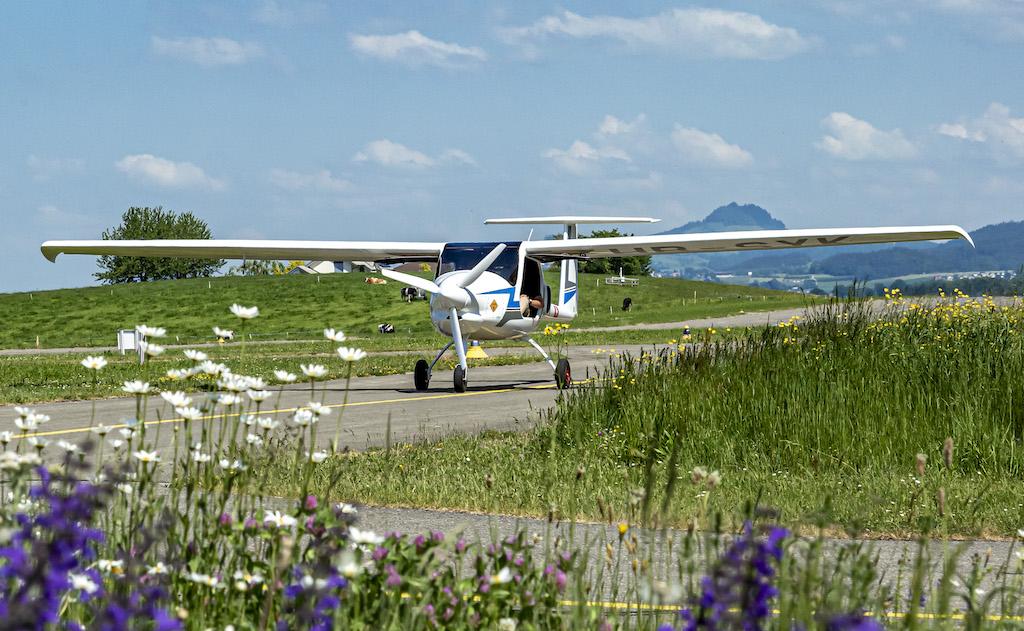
x=299 y=307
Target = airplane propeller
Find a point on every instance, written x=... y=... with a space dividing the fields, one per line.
x=453 y=294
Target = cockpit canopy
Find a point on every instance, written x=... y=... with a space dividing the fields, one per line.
x=463 y=256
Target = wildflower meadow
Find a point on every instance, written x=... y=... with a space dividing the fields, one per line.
x=182 y=525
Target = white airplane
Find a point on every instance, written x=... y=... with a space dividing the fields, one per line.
x=477 y=291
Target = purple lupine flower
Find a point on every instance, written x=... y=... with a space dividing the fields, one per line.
x=379 y=553
x=394 y=579
x=225 y=519
x=739 y=589
x=310 y=503
x=852 y=622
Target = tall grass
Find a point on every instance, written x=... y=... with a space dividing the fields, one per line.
x=841 y=392
x=828 y=414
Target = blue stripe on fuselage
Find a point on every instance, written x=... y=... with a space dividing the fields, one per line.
x=512 y=301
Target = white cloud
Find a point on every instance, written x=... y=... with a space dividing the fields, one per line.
x=163 y=172
x=709 y=149
x=612 y=126
x=392 y=154
x=956 y=130
x=854 y=139
x=457 y=156
x=321 y=181
x=45 y=168
x=693 y=32
x=413 y=48
x=207 y=51
x=581 y=158
x=996 y=128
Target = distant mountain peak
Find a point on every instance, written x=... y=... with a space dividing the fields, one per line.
x=732 y=217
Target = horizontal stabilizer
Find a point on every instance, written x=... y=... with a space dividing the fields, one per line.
x=570 y=219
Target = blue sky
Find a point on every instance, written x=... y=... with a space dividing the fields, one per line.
x=394 y=122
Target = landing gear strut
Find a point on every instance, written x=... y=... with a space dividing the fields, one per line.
x=422 y=371
x=563 y=373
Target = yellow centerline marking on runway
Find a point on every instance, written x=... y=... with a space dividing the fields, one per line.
x=889 y=615
x=226 y=415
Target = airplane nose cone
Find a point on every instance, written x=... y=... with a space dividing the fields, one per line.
x=454 y=295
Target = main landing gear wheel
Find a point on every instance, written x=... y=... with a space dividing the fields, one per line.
x=460 y=379
x=421 y=374
x=563 y=374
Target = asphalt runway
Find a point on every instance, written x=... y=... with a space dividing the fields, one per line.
x=498 y=398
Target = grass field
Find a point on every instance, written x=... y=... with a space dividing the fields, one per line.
x=34 y=379
x=60 y=377
x=299 y=307
x=823 y=421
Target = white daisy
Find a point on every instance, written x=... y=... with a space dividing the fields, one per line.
x=196 y=356
x=351 y=354
x=314 y=371
x=364 y=537
x=244 y=313
x=151 y=350
x=334 y=336
x=176 y=399
x=136 y=387
x=151 y=331
x=284 y=376
x=94 y=362
x=277 y=519
x=146 y=456
x=189 y=413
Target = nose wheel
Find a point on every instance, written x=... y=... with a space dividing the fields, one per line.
x=563 y=374
x=460 y=379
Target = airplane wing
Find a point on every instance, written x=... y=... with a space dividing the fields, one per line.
x=735 y=241
x=376 y=251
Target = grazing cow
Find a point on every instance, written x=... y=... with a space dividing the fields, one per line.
x=387 y=327
x=627 y=303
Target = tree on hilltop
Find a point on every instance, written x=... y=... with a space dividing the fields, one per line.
x=631 y=265
x=155 y=223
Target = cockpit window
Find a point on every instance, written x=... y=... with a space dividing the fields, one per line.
x=463 y=256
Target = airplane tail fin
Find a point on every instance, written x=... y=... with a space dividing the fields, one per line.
x=568 y=289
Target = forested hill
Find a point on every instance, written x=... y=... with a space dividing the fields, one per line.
x=732 y=217
x=998 y=248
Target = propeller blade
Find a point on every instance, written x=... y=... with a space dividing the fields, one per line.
x=469 y=277
x=414 y=281
x=460 y=344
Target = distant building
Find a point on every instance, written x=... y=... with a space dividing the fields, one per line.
x=414 y=268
